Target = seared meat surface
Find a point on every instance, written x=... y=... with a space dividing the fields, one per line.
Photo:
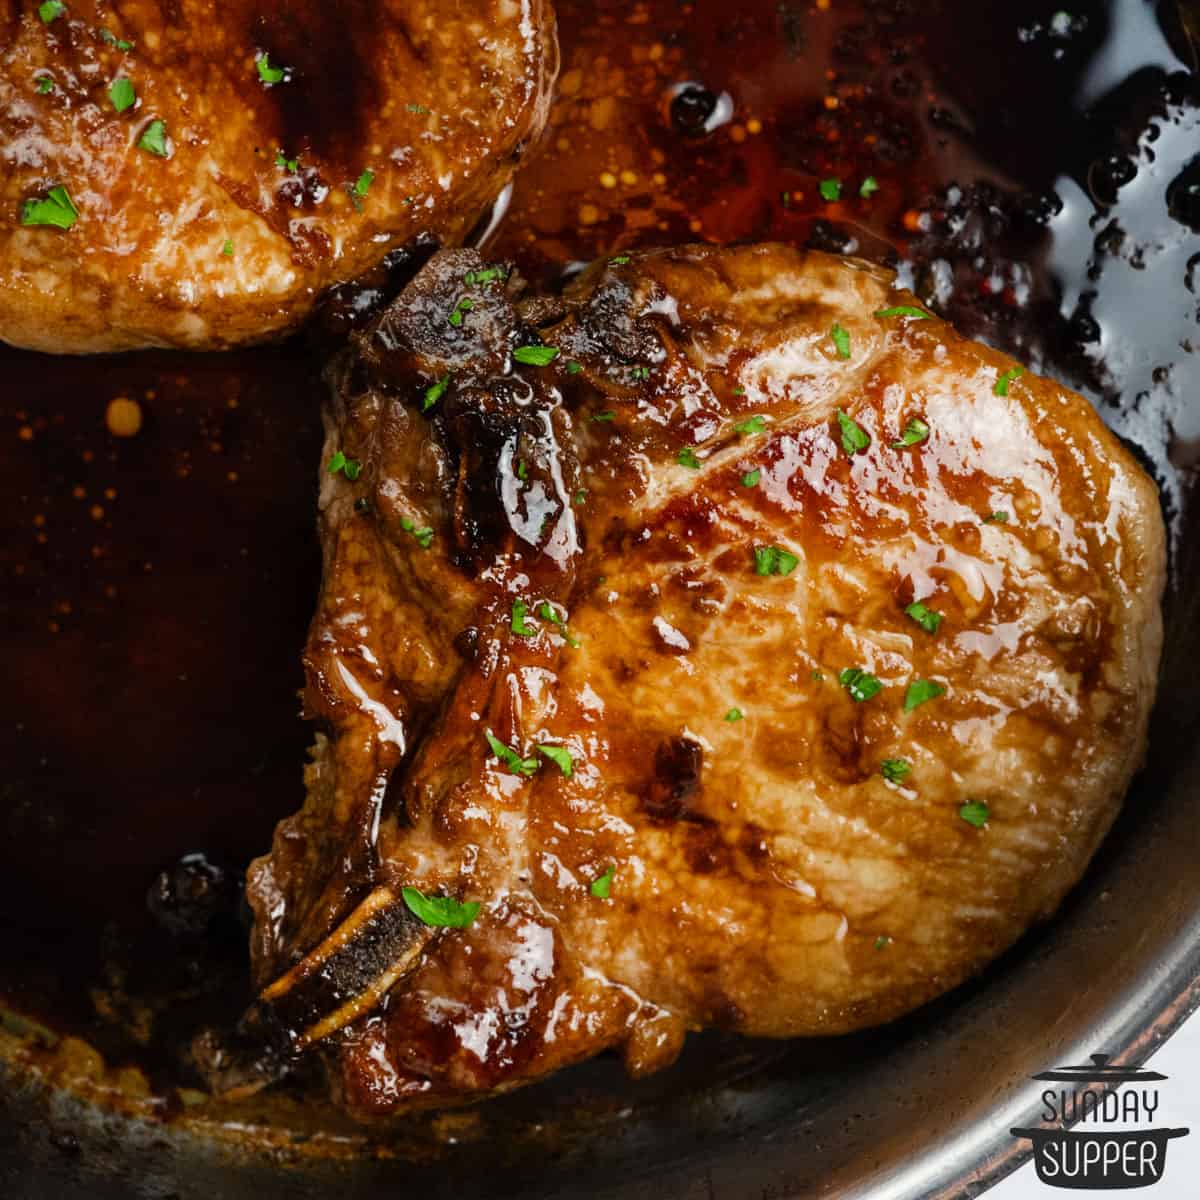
x=218 y=164
x=769 y=658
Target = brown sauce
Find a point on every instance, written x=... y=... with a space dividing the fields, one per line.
x=1036 y=177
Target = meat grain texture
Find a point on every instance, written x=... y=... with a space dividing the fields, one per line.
x=265 y=153
x=765 y=876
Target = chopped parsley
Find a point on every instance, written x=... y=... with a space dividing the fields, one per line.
x=417 y=108
x=607 y=415
x=154 y=139
x=547 y=612
x=579 y=496
x=905 y=310
x=894 y=769
x=739 y=390
x=560 y=756
x=536 y=356
x=751 y=478
x=868 y=187
x=435 y=392
x=424 y=536
x=817 y=677
x=687 y=458
x=464 y=306
x=51 y=10
x=1001 y=388
x=519 y=624
x=751 y=425
x=925 y=617
x=110 y=39
x=227 y=249
x=996 y=518
x=361 y=186
x=855 y=439
x=619 y=261
x=640 y=373
x=734 y=714
x=603 y=883
x=522 y=470
x=915 y=432
x=122 y=94
x=350 y=467
x=882 y=942
x=860 y=684
x=44 y=84
x=841 y=340
x=441 y=911
x=831 y=189
x=920 y=691
x=510 y=758
x=573 y=368
x=485 y=275
x=285 y=163
x=771 y=560
x=266 y=73
x=55 y=208
x=975 y=813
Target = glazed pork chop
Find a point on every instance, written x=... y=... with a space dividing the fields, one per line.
x=725 y=643
x=197 y=173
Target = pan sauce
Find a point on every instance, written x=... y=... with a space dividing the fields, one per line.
x=1034 y=174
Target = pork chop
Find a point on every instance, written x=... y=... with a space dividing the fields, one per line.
x=725 y=643
x=196 y=173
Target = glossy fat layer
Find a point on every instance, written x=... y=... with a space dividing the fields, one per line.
x=766 y=877
x=253 y=213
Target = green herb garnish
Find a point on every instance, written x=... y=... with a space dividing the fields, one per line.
x=44 y=85
x=560 y=756
x=608 y=415
x=519 y=624
x=915 y=432
x=122 y=94
x=51 y=10
x=464 y=306
x=882 y=942
x=573 y=368
x=603 y=883
x=510 y=758
x=266 y=72
x=687 y=458
x=485 y=275
x=751 y=425
x=855 y=439
x=771 y=560
x=285 y=163
x=860 y=684
x=996 y=518
x=546 y=611
x=424 y=536
x=920 y=691
x=751 y=478
x=55 y=208
x=894 y=769
x=925 y=617
x=1001 y=388
x=110 y=39
x=734 y=714
x=154 y=139
x=441 y=911
x=362 y=185
x=739 y=391
x=536 y=356
x=975 y=813
x=435 y=392
x=619 y=261
x=417 y=108
x=868 y=187
x=350 y=467
x=831 y=189
x=227 y=249
x=905 y=310
x=841 y=340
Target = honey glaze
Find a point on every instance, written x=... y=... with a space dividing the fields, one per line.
x=1036 y=181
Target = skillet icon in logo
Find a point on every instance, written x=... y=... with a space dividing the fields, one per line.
x=1112 y=1141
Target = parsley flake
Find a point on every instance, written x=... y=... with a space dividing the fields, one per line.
x=603 y=883
x=110 y=39
x=287 y=164
x=519 y=624
x=417 y=108
x=894 y=769
x=687 y=458
x=751 y=478
x=441 y=911
x=771 y=560
x=751 y=425
x=739 y=390
x=350 y=467
x=1001 y=388
x=485 y=275
x=860 y=684
x=227 y=249
x=734 y=714
x=435 y=392
x=362 y=185
x=855 y=439
x=573 y=368
x=510 y=758
x=51 y=10
x=619 y=261
x=266 y=73
x=841 y=340
x=996 y=518
x=464 y=306
x=905 y=310
x=536 y=356
x=607 y=415
x=547 y=612
x=831 y=189
x=44 y=84
x=868 y=187
x=56 y=208
x=154 y=139
x=915 y=432
x=925 y=617
x=975 y=813
x=920 y=691
x=882 y=942
x=122 y=94
x=560 y=756
x=424 y=536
